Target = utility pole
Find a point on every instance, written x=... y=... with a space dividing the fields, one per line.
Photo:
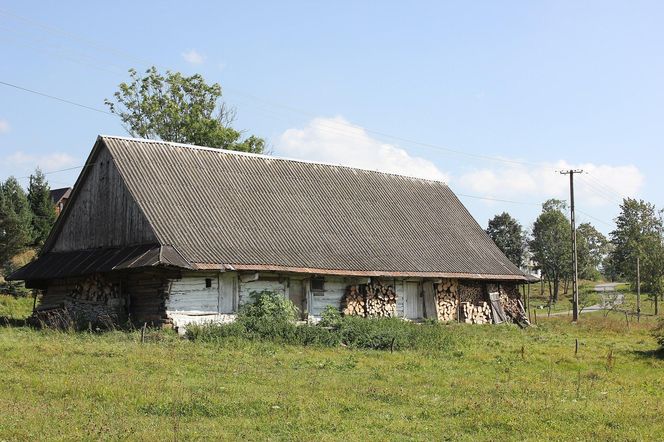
x=575 y=264
x=638 y=289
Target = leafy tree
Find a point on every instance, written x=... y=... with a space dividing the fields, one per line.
x=181 y=109
x=508 y=235
x=639 y=233
x=43 y=211
x=551 y=245
x=592 y=248
x=15 y=220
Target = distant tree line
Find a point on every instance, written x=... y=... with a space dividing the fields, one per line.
x=26 y=219
x=638 y=236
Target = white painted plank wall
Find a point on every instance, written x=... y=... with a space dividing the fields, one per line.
x=190 y=295
x=258 y=286
x=335 y=288
x=399 y=290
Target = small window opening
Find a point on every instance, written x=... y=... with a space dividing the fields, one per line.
x=317 y=284
x=208 y=283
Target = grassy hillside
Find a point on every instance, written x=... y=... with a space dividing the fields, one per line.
x=493 y=382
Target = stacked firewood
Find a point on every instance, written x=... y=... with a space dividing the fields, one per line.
x=373 y=299
x=476 y=314
x=381 y=300
x=472 y=292
x=512 y=307
x=95 y=288
x=447 y=300
x=354 y=302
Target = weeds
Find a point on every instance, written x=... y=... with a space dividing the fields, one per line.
x=270 y=318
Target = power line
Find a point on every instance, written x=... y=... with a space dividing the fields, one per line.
x=58 y=171
x=126 y=55
x=599 y=192
x=496 y=199
x=592 y=217
x=70 y=35
x=53 y=97
x=608 y=188
x=333 y=128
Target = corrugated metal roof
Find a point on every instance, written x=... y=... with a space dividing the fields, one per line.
x=229 y=208
x=84 y=262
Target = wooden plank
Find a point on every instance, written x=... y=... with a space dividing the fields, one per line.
x=102 y=212
x=429 y=300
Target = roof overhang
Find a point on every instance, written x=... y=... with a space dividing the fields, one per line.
x=54 y=265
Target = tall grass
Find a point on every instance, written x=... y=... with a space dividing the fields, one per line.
x=16 y=308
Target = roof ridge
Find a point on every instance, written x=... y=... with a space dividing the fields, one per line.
x=267 y=157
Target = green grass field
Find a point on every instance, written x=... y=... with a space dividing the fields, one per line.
x=493 y=383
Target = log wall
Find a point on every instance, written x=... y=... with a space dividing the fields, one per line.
x=138 y=296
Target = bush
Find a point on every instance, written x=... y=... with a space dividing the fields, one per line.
x=658 y=332
x=317 y=335
x=215 y=332
x=269 y=305
x=271 y=317
x=331 y=317
x=375 y=333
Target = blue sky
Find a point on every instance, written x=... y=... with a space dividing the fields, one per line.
x=427 y=89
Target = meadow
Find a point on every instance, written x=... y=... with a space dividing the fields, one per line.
x=484 y=383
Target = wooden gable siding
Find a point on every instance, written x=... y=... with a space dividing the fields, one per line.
x=102 y=212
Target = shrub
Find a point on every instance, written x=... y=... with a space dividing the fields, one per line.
x=269 y=305
x=317 y=335
x=374 y=333
x=658 y=332
x=214 y=332
x=331 y=317
x=271 y=317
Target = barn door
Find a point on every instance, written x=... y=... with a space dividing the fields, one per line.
x=227 y=289
x=296 y=293
x=413 y=301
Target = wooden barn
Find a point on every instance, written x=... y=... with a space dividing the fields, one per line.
x=168 y=234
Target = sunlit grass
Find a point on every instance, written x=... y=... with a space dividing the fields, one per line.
x=492 y=383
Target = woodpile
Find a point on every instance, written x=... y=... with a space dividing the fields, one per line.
x=373 y=299
x=447 y=300
x=465 y=302
x=476 y=314
x=473 y=292
x=381 y=300
x=513 y=308
x=354 y=302
x=95 y=289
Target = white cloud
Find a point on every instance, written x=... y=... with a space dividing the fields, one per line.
x=193 y=56
x=4 y=126
x=48 y=162
x=601 y=185
x=336 y=141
